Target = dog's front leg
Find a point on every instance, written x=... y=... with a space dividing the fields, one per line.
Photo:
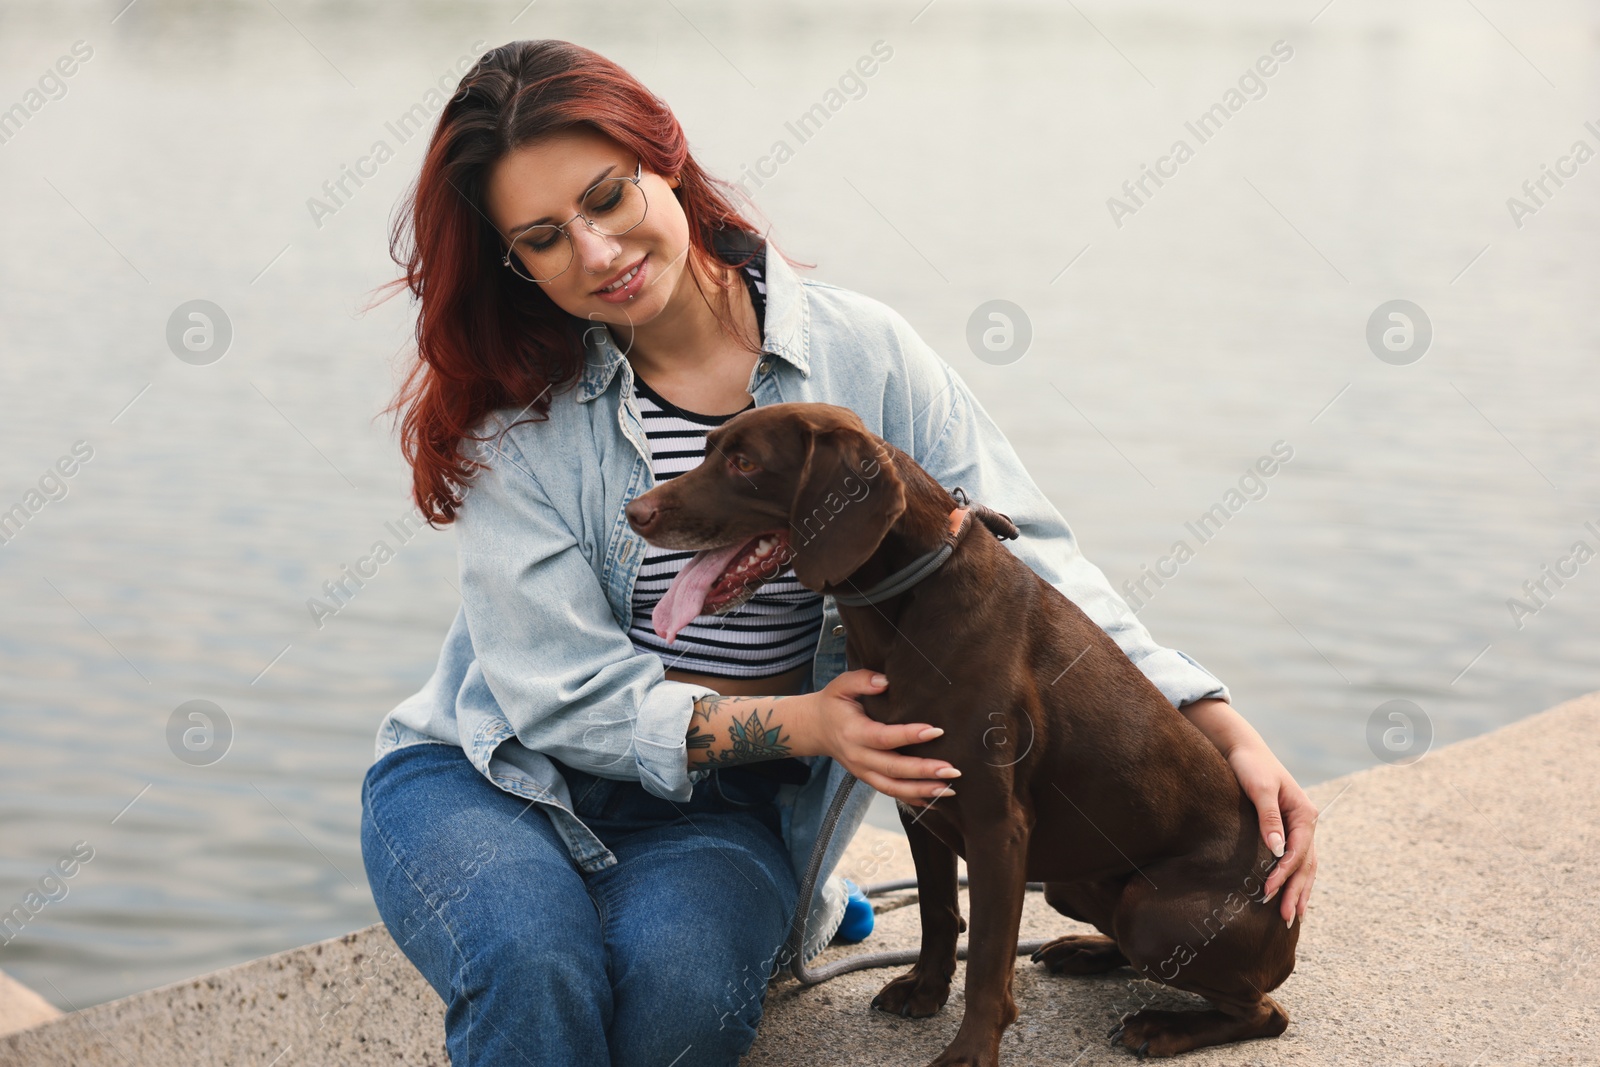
x=996 y=837
x=923 y=990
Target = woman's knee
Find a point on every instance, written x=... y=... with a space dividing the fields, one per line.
x=525 y=969
x=559 y=965
x=525 y=995
x=670 y=1005
x=464 y=874
x=699 y=982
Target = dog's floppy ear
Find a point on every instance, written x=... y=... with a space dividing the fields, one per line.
x=848 y=496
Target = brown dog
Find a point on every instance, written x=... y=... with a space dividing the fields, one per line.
x=1117 y=802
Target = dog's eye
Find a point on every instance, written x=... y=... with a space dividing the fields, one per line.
x=742 y=464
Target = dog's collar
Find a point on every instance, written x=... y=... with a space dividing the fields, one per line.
x=959 y=520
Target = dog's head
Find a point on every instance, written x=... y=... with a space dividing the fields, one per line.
x=805 y=484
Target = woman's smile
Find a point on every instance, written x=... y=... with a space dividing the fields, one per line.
x=625 y=284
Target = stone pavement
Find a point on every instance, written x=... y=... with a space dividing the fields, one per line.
x=1453 y=925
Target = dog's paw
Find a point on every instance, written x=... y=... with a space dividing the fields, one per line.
x=913 y=996
x=1161 y=1033
x=1081 y=954
x=1170 y=1033
x=951 y=1058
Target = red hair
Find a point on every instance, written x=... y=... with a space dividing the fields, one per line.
x=485 y=338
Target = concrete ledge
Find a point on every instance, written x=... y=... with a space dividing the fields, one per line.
x=1453 y=925
x=21 y=1007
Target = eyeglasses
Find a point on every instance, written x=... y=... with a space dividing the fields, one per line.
x=611 y=207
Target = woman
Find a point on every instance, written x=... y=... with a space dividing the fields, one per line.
x=586 y=839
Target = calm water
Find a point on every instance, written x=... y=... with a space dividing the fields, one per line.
x=1227 y=312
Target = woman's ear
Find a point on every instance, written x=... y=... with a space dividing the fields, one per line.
x=848 y=497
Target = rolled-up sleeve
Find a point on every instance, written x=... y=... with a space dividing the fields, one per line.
x=957 y=443
x=564 y=673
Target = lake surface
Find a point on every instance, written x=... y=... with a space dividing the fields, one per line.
x=1177 y=337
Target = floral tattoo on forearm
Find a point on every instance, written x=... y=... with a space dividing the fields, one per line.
x=737 y=730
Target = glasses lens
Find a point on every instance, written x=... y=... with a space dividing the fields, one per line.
x=540 y=253
x=614 y=206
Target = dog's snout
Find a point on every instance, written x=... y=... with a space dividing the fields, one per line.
x=641 y=514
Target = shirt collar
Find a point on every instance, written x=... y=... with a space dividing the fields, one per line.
x=787 y=335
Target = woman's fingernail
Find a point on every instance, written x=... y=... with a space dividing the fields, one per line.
x=945 y=792
x=1290 y=925
x=931 y=732
x=878 y=679
x=1268 y=898
x=1275 y=842
x=948 y=772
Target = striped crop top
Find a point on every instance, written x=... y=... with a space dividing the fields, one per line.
x=775 y=630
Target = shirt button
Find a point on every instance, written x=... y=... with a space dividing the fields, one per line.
x=763 y=365
x=837 y=630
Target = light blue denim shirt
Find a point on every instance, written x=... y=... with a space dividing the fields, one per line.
x=538 y=661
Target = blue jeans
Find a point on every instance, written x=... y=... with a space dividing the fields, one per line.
x=661 y=960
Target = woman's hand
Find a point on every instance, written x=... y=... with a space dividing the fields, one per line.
x=842 y=730
x=1276 y=796
x=1279 y=800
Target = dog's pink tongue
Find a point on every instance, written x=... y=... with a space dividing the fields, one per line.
x=684 y=598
